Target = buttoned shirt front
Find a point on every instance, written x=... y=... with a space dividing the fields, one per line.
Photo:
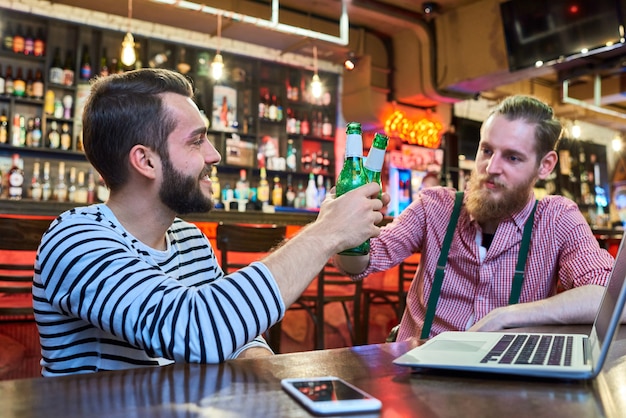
x=563 y=252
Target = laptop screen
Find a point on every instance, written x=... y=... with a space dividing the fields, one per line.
x=611 y=305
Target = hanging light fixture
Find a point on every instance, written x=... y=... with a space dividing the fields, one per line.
x=128 y=44
x=316 y=83
x=217 y=66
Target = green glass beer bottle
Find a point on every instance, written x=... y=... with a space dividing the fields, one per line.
x=373 y=164
x=353 y=175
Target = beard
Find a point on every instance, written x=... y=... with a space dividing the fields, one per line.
x=485 y=206
x=182 y=193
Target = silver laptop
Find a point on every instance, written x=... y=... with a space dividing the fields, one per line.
x=568 y=356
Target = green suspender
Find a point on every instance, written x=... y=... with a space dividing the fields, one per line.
x=518 y=278
x=441 y=265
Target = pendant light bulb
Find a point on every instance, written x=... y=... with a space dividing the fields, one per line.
x=217 y=66
x=128 y=50
x=316 y=86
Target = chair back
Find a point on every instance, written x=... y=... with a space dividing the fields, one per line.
x=406 y=273
x=247 y=243
x=250 y=239
x=19 y=240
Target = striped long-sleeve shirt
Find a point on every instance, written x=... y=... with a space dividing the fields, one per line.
x=103 y=300
x=563 y=253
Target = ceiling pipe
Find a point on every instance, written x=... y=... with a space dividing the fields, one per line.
x=274 y=23
x=418 y=20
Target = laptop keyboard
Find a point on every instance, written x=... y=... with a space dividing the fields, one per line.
x=554 y=350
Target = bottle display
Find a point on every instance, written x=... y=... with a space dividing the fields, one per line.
x=312 y=200
x=85 y=66
x=263 y=189
x=46 y=187
x=35 y=183
x=56 y=70
x=352 y=174
x=291 y=156
x=16 y=178
x=59 y=192
x=81 y=189
x=215 y=185
x=374 y=162
x=277 y=192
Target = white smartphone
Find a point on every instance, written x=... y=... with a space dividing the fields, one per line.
x=330 y=395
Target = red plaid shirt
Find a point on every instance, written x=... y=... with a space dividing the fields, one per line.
x=563 y=251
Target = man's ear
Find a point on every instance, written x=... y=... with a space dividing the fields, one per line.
x=547 y=164
x=143 y=160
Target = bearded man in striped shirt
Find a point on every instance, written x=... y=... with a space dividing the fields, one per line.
x=561 y=271
x=127 y=283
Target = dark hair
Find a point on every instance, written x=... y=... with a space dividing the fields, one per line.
x=548 y=129
x=124 y=110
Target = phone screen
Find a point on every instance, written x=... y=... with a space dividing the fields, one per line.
x=327 y=390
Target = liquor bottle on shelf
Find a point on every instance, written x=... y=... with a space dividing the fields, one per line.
x=273 y=109
x=46 y=187
x=277 y=192
x=18 y=40
x=9 y=86
x=15 y=130
x=29 y=42
x=300 y=201
x=38 y=85
x=321 y=189
x=327 y=127
x=4 y=127
x=35 y=183
x=66 y=138
x=2 y=81
x=325 y=162
x=85 y=66
x=91 y=187
x=216 y=191
x=19 y=84
x=56 y=75
x=68 y=69
x=306 y=161
x=319 y=162
x=36 y=134
x=304 y=126
x=263 y=188
x=72 y=187
x=81 y=189
x=290 y=193
x=7 y=38
x=16 y=178
x=352 y=174
x=242 y=190
x=59 y=192
x=375 y=158
x=29 y=83
x=104 y=66
x=48 y=102
x=312 y=199
x=53 y=139
x=39 y=44
x=291 y=156
x=30 y=127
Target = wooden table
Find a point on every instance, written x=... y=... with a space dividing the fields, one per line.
x=249 y=388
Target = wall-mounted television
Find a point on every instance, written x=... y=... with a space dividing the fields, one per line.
x=557 y=30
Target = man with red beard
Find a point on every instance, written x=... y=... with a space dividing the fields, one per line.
x=495 y=273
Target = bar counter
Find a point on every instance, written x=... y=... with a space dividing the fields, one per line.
x=33 y=208
x=251 y=388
